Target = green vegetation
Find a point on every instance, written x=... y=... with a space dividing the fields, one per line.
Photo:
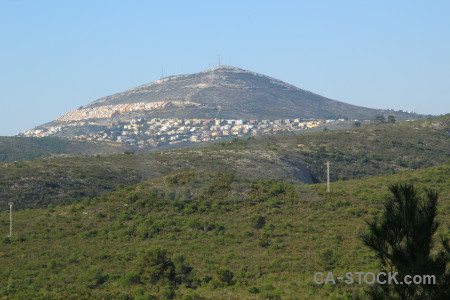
x=26 y=148
x=402 y=238
x=202 y=235
x=356 y=153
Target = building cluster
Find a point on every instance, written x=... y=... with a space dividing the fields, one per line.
x=41 y=132
x=147 y=133
x=109 y=111
x=157 y=132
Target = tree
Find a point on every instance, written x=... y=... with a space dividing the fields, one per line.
x=156 y=267
x=183 y=271
x=257 y=222
x=356 y=124
x=402 y=238
x=391 y=119
x=380 y=119
x=225 y=277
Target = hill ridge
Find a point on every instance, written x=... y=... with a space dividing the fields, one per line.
x=355 y=153
x=205 y=221
x=222 y=94
x=203 y=83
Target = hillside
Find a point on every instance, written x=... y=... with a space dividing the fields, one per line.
x=355 y=153
x=207 y=106
x=241 y=94
x=24 y=148
x=96 y=249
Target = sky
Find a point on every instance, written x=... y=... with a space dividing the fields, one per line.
x=58 y=55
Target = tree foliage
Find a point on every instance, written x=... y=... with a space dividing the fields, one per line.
x=258 y=221
x=402 y=238
x=156 y=267
x=225 y=277
x=391 y=119
x=380 y=119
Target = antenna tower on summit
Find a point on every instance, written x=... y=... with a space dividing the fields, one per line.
x=218 y=58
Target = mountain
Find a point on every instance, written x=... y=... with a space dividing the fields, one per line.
x=231 y=93
x=355 y=153
x=222 y=102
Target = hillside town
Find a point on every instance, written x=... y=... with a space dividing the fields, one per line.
x=109 y=111
x=148 y=133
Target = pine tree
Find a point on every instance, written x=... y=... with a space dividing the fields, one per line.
x=258 y=222
x=402 y=238
x=156 y=267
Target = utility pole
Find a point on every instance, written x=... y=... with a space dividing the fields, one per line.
x=10 y=219
x=219 y=108
x=328 y=176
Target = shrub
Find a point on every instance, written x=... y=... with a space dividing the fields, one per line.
x=225 y=276
x=130 y=279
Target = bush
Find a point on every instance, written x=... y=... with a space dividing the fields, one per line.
x=190 y=295
x=328 y=258
x=95 y=277
x=130 y=279
x=168 y=292
x=225 y=277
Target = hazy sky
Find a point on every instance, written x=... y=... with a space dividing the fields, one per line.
x=58 y=55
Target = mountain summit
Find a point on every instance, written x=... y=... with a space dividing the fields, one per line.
x=221 y=102
x=232 y=93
